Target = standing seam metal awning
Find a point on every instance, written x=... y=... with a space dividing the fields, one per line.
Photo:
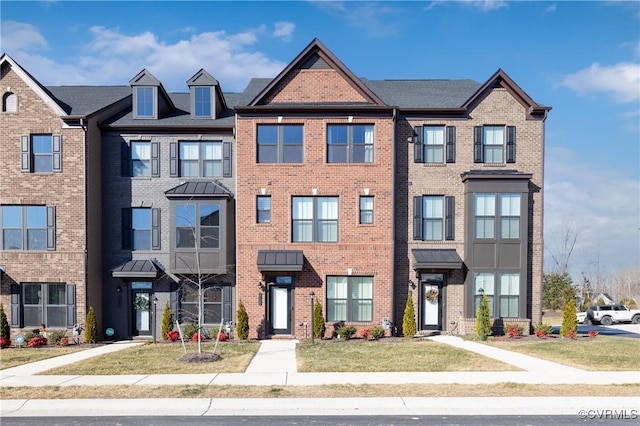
x=436 y=259
x=141 y=268
x=280 y=260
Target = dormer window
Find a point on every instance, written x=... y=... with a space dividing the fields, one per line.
x=144 y=102
x=202 y=101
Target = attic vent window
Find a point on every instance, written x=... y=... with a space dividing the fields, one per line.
x=9 y=102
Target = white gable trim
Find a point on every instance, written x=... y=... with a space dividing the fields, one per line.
x=33 y=85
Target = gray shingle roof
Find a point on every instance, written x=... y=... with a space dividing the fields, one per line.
x=85 y=100
x=423 y=93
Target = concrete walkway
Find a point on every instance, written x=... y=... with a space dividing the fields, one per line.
x=274 y=356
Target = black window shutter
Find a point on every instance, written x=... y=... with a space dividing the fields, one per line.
x=451 y=144
x=57 y=153
x=226 y=159
x=478 y=150
x=25 y=153
x=449 y=218
x=173 y=300
x=71 y=305
x=126 y=228
x=511 y=144
x=125 y=162
x=173 y=159
x=16 y=306
x=417 y=218
x=155 y=229
x=417 y=145
x=51 y=227
x=226 y=303
x=155 y=159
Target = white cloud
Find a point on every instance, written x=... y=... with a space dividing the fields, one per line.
x=284 y=30
x=15 y=36
x=598 y=201
x=482 y=5
x=112 y=57
x=621 y=81
x=551 y=8
x=368 y=16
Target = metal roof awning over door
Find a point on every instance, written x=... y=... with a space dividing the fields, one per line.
x=436 y=259
x=280 y=260
x=141 y=268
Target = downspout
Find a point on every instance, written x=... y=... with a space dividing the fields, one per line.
x=394 y=169
x=83 y=124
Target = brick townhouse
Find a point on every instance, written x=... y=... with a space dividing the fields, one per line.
x=354 y=192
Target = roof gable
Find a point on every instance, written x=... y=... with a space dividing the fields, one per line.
x=316 y=57
x=145 y=78
x=38 y=89
x=502 y=80
x=202 y=78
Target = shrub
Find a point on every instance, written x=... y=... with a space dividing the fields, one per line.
x=5 y=330
x=570 y=334
x=483 y=320
x=64 y=341
x=222 y=336
x=542 y=330
x=4 y=342
x=167 y=320
x=30 y=335
x=55 y=336
x=36 y=342
x=173 y=335
x=513 y=330
x=569 y=320
x=91 y=327
x=592 y=333
x=318 y=321
x=409 y=327
x=198 y=337
x=377 y=332
x=365 y=333
x=346 y=332
x=242 y=327
x=188 y=330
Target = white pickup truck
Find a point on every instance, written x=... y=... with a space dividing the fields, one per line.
x=608 y=314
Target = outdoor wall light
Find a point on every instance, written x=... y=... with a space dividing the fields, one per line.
x=412 y=284
x=118 y=289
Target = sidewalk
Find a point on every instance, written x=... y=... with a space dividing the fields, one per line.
x=275 y=365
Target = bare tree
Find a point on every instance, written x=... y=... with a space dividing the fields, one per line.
x=562 y=250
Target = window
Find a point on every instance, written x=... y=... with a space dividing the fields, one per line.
x=315 y=219
x=263 y=204
x=483 y=283
x=9 y=102
x=28 y=227
x=202 y=101
x=433 y=144
x=199 y=223
x=494 y=144
x=280 y=143
x=350 y=299
x=140 y=228
x=509 y=295
x=44 y=304
x=350 y=143
x=144 y=102
x=485 y=212
x=140 y=158
x=510 y=216
x=366 y=210
x=433 y=218
x=200 y=159
x=41 y=153
x=211 y=303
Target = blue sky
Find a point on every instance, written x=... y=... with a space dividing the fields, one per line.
x=581 y=58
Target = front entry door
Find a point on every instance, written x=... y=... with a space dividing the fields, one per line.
x=431 y=301
x=280 y=309
x=141 y=296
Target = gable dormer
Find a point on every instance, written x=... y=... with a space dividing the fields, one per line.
x=206 y=99
x=150 y=100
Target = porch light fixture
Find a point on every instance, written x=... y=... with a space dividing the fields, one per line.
x=412 y=284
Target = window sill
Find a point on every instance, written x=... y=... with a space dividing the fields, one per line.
x=494 y=165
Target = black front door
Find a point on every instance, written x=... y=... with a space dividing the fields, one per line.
x=431 y=286
x=142 y=301
x=280 y=309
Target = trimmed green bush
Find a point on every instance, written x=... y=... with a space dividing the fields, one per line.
x=55 y=336
x=91 y=327
x=541 y=330
x=483 y=319
x=376 y=332
x=242 y=327
x=569 y=320
x=318 y=321
x=188 y=330
x=346 y=332
x=5 y=330
x=167 y=320
x=409 y=326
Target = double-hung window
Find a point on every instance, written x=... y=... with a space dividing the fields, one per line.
x=507 y=216
x=44 y=304
x=202 y=102
x=485 y=215
x=510 y=216
x=484 y=283
x=433 y=144
x=366 y=209
x=280 y=143
x=433 y=218
x=503 y=299
x=141 y=228
x=494 y=144
x=141 y=158
x=350 y=143
x=197 y=223
x=200 y=159
x=350 y=298
x=314 y=219
x=144 y=102
x=28 y=227
x=263 y=207
x=211 y=303
x=509 y=295
x=41 y=153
